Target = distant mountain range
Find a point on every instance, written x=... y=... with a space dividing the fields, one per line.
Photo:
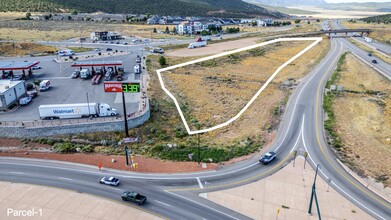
x=210 y=8
x=288 y=2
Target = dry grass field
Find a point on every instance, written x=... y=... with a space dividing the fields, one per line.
x=381 y=32
x=23 y=30
x=214 y=91
x=364 y=121
x=22 y=49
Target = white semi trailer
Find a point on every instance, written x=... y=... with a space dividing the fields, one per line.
x=198 y=43
x=78 y=110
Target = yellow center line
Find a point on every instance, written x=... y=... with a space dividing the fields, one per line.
x=328 y=160
x=234 y=183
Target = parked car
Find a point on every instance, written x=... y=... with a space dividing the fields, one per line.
x=108 y=75
x=126 y=43
x=134 y=197
x=111 y=181
x=36 y=67
x=25 y=100
x=17 y=78
x=32 y=93
x=75 y=74
x=374 y=61
x=267 y=158
x=369 y=54
x=109 y=49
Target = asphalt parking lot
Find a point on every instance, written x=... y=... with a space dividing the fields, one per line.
x=63 y=89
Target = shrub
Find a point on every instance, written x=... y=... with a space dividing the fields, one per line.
x=65 y=148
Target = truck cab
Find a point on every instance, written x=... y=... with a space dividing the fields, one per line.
x=106 y=110
x=134 y=197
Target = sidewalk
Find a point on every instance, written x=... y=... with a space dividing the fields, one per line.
x=289 y=191
x=47 y=203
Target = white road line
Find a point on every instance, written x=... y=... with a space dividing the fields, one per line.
x=199 y=183
x=17 y=172
x=202 y=205
x=162 y=203
x=63 y=178
x=332 y=182
x=297 y=99
x=316 y=39
x=113 y=188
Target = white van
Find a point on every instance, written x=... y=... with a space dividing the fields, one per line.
x=44 y=85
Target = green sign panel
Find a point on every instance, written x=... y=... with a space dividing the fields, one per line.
x=131 y=87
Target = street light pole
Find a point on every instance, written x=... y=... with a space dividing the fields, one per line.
x=313 y=195
x=88 y=104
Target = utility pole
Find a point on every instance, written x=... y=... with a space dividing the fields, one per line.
x=313 y=195
x=125 y=116
x=88 y=104
x=199 y=152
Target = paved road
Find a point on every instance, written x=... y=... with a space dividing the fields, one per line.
x=176 y=196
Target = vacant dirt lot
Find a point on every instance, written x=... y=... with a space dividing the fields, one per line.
x=215 y=91
x=364 y=121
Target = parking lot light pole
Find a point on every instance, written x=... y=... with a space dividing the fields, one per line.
x=313 y=195
x=88 y=105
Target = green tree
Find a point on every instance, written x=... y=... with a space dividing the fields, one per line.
x=297 y=21
x=204 y=32
x=28 y=15
x=154 y=30
x=167 y=30
x=74 y=12
x=162 y=61
x=174 y=30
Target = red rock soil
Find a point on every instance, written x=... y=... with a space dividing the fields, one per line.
x=12 y=148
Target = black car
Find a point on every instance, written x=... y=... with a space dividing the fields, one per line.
x=267 y=158
x=374 y=61
x=369 y=54
x=109 y=49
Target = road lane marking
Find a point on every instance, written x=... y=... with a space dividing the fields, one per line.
x=335 y=168
x=202 y=205
x=113 y=188
x=17 y=173
x=199 y=182
x=315 y=39
x=316 y=70
x=64 y=178
x=163 y=203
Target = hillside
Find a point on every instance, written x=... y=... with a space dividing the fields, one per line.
x=386 y=19
x=365 y=6
x=211 y=8
x=288 y=2
x=285 y=10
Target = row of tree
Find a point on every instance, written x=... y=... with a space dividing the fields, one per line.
x=386 y=19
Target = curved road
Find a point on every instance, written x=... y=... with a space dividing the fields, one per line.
x=176 y=196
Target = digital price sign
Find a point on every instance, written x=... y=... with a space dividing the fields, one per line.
x=129 y=87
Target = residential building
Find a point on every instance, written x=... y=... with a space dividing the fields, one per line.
x=105 y=35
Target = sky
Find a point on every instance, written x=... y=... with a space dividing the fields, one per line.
x=340 y=1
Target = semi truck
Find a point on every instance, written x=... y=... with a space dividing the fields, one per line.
x=198 y=43
x=77 y=110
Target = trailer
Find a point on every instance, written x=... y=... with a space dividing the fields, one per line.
x=65 y=53
x=77 y=110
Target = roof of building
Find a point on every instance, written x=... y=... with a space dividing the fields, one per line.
x=7 y=84
x=97 y=63
x=17 y=65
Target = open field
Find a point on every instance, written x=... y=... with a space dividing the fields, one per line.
x=214 y=91
x=381 y=32
x=21 y=49
x=363 y=121
x=206 y=103
x=63 y=30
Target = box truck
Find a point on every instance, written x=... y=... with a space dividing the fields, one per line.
x=198 y=43
x=78 y=110
x=44 y=85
